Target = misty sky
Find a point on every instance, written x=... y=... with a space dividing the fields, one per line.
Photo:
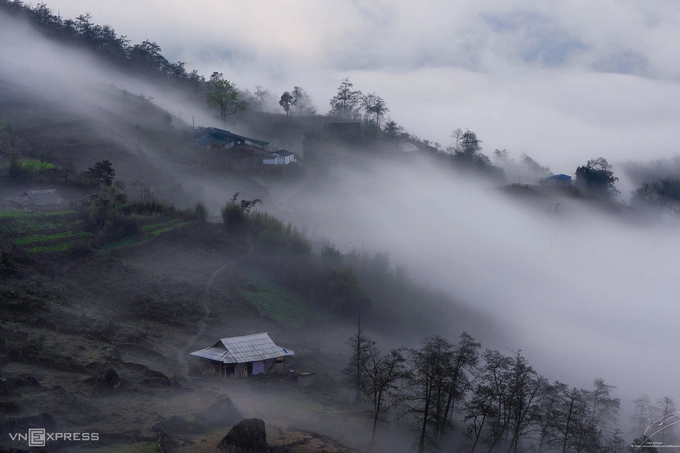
x=563 y=81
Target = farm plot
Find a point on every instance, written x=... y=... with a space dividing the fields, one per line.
x=63 y=231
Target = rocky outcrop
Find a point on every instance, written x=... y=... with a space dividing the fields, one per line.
x=106 y=382
x=248 y=436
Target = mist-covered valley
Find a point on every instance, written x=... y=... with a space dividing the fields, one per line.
x=496 y=312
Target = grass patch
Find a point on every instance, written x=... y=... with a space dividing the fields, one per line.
x=33 y=165
x=64 y=246
x=18 y=214
x=51 y=237
x=169 y=228
x=279 y=305
x=126 y=242
x=27 y=225
x=154 y=226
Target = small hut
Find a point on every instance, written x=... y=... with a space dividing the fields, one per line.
x=280 y=157
x=243 y=356
x=556 y=180
x=38 y=200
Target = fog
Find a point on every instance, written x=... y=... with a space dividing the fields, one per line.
x=54 y=72
x=551 y=81
x=73 y=81
x=582 y=293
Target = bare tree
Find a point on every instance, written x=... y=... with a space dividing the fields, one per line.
x=374 y=105
x=383 y=376
x=427 y=386
x=347 y=102
x=464 y=363
x=360 y=345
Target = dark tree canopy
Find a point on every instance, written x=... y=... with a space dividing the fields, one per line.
x=286 y=102
x=597 y=177
x=102 y=172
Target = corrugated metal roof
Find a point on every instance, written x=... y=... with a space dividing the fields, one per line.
x=248 y=348
x=408 y=147
x=283 y=153
x=560 y=176
x=204 y=136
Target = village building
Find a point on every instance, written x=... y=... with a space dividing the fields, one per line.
x=243 y=356
x=280 y=157
x=212 y=136
x=407 y=146
x=556 y=180
x=47 y=199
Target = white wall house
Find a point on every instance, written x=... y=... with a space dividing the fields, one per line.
x=280 y=157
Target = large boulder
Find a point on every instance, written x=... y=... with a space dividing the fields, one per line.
x=248 y=436
x=106 y=382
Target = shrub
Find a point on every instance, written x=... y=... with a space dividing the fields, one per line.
x=235 y=215
x=200 y=212
x=119 y=227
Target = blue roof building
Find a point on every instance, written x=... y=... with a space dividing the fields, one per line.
x=209 y=136
x=556 y=180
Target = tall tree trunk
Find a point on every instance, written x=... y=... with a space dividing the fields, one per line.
x=478 y=434
x=428 y=395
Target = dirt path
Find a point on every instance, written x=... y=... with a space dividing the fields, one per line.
x=182 y=354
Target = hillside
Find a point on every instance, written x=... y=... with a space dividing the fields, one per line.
x=433 y=305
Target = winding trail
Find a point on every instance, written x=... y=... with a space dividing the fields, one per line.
x=202 y=324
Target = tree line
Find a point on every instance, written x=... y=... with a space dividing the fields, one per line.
x=146 y=59
x=462 y=396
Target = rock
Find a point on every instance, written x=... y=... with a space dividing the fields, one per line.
x=248 y=436
x=166 y=443
x=221 y=413
x=105 y=383
x=152 y=377
x=28 y=381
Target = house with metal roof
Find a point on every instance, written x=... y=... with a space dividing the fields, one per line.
x=243 y=356
x=38 y=199
x=280 y=157
x=212 y=136
x=556 y=180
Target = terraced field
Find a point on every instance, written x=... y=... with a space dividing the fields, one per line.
x=63 y=231
x=278 y=304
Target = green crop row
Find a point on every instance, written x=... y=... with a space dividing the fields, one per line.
x=163 y=230
x=24 y=225
x=154 y=226
x=51 y=237
x=64 y=246
x=14 y=214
